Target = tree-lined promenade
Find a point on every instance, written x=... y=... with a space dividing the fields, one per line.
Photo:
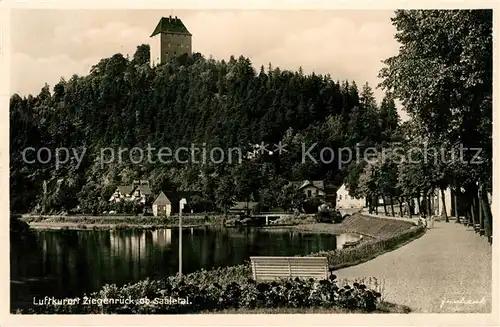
x=419 y=274
x=443 y=78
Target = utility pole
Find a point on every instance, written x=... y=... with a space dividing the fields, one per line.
x=182 y=202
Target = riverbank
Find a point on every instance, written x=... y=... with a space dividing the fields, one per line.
x=118 y=222
x=372 y=227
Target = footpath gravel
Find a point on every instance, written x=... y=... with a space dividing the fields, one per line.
x=447 y=270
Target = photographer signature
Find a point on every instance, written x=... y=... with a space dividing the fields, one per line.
x=445 y=301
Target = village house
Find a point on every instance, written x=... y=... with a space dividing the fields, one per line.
x=162 y=206
x=142 y=191
x=139 y=192
x=345 y=201
x=122 y=193
x=311 y=188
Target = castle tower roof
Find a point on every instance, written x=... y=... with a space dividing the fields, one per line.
x=170 y=25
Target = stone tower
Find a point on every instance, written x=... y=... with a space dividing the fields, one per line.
x=170 y=39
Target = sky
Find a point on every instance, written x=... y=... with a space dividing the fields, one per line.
x=347 y=44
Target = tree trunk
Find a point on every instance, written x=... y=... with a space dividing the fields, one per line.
x=410 y=207
x=488 y=223
x=392 y=206
x=456 y=204
x=376 y=205
x=424 y=204
x=418 y=205
x=444 y=207
x=430 y=212
x=385 y=205
x=400 y=200
x=475 y=210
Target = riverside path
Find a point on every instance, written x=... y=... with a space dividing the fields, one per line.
x=447 y=270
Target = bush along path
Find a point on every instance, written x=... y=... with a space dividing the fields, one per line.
x=191 y=295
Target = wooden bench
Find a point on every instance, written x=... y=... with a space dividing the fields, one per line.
x=272 y=268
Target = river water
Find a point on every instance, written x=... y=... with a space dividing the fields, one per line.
x=69 y=263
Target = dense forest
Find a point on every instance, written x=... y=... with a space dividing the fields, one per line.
x=442 y=76
x=124 y=103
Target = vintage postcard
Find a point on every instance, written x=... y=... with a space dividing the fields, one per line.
x=207 y=164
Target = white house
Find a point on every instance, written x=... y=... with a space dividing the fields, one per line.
x=344 y=200
x=162 y=206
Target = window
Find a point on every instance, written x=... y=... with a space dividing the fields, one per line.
x=309 y=193
x=340 y=197
x=317 y=192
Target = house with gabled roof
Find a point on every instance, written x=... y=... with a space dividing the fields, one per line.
x=162 y=206
x=346 y=201
x=122 y=193
x=142 y=191
x=311 y=188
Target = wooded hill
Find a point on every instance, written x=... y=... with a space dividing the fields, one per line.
x=442 y=75
x=124 y=103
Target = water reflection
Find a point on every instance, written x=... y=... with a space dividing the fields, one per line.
x=162 y=237
x=71 y=263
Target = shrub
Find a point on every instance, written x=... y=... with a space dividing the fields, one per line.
x=222 y=289
x=294 y=220
x=311 y=205
x=324 y=217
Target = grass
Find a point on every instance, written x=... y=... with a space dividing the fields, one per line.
x=364 y=225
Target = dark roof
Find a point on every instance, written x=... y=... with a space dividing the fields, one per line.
x=176 y=196
x=144 y=189
x=317 y=184
x=162 y=199
x=168 y=25
x=125 y=189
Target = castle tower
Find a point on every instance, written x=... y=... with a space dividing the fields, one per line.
x=170 y=39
